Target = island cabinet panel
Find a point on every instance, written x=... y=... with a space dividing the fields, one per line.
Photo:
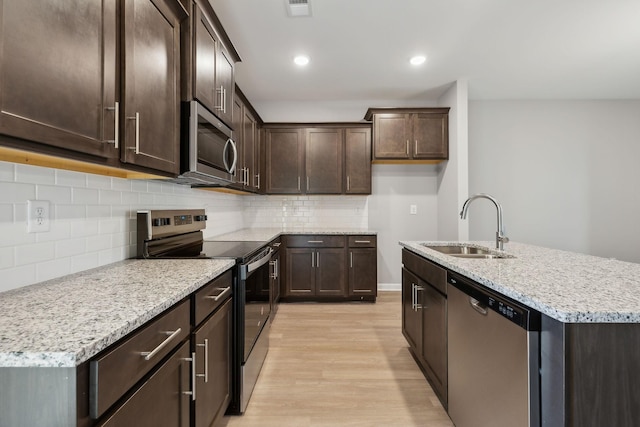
x=424 y=323
x=151 y=121
x=357 y=161
x=589 y=374
x=162 y=401
x=58 y=69
x=324 y=156
x=284 y=160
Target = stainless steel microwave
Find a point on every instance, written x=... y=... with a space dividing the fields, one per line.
x=208 y=153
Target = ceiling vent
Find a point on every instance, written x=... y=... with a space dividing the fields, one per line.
x=296 y=8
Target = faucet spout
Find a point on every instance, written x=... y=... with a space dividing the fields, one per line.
x=501 y=239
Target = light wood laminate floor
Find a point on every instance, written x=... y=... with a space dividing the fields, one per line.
x=343 y=364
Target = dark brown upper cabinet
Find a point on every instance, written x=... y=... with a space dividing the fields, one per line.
x=410 y=134
x=151 y=83
x=213 y=78
x=58 y=69
x=324 y=153
x=318 y=159
x=357 y=160
x=93 y=80
x=246 y=135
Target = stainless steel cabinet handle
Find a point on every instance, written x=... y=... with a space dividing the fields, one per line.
x=221 y=91
x=312 y=260
x=298 y=183
x=351 y=259
x=307 y=183
x=224 y=100
x=317 y=259
x=363 y=241
x=258 y=178
x=413 y=296
x=137 y=119
x=192 y=359
x=416 y=147
x=315 y=241
x=418 y=289
x=116 y=128
x=224 y=292
x=277 y=269
x=407 y=147
x=206 y=360
x=348 y=183
x=172 y=334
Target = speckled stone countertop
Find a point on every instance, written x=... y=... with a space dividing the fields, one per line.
x=566 y=286
x=66 y=321
x=268 y=234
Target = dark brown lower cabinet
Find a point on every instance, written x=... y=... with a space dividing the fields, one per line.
x=363 y=267
x=162 y=400
x=316 y=272
x=424 y=318
x=212 y=347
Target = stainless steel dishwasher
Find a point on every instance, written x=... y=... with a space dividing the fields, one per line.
x=493 y=345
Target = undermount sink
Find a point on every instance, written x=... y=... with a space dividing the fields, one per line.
x=464 y=251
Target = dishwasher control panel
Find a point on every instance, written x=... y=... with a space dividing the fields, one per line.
x=485 y=299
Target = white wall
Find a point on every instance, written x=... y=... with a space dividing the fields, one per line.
x=453 y=174
x=566 y=173
x=395 y=188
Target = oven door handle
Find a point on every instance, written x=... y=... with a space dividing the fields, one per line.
x=259 y=263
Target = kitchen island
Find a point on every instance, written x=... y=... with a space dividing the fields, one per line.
x=590 y=325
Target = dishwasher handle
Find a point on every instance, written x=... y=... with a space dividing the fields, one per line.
x=478 y=306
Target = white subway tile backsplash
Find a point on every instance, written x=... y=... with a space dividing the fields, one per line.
x=17 y=277
x=70 y=247
x=35 y=175
x=35 y=253
x=84 y=196
x=70 y=179
x=17 y=192
x=7 y=172
x=97 y=211
x=7 y=258
x=53 y=194
x=110 y=197
x=121 y=184
x=69 y=212
x=98 y=181
x=52 y=269
x=88 y=227
x=6 y=213
x=58 y=230
x=84 y=262
x=15 y=233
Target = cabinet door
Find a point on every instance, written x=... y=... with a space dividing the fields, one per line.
x=434 y=339
x=411 y=311
x=212 y=343
x=430 y=136
x=238 y=137
x=204 y=57
x=331 y=272
x=324 y=154
x=284 y=152
x=249 y=125
x=224 y=85
x=363 y=278
x=58 y=73
x=357 y=161
x=151 y=40
x=161 y=401
x=391 y=136
x=301 y=272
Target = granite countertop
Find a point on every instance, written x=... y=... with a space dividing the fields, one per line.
x=268 y=234
x=566 y=286
x=66 y=321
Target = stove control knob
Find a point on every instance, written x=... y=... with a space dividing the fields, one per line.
x=156 y=222
x=159 y=222
x=200 y=217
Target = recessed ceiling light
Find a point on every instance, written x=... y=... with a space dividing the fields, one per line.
x=417 y=60
x=301 y=60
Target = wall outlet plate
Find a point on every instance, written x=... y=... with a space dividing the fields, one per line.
x=413 y=209
x=38 y=216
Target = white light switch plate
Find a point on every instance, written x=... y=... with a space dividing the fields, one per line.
x=413 y=209
x=38 y=216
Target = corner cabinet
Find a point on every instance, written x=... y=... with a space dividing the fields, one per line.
x=405 y=134
x=424 y=318
x=319 y=159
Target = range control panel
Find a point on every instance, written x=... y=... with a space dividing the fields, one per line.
x=161 y=223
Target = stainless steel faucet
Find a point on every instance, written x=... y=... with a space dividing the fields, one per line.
x=500 y=237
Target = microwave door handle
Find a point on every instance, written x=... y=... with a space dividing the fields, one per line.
x=235 y=156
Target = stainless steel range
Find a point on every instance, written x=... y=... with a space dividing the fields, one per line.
x=178 y=234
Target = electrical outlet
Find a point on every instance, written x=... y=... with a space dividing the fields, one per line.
x=413 y=209
x=38 y=216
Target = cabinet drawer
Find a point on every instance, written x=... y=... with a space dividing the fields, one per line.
x=364 y=241
x=211 y=296
x=115 y=371
x=315 y=241
x=431 y=273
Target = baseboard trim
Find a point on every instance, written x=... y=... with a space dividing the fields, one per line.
x=389 y=287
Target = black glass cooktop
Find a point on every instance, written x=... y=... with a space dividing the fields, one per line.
x=231 y=249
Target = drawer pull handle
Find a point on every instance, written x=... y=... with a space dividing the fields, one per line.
x=363 y=241
x=215 y=298
x=315 y=241
x=206 y=360
x=172 y=334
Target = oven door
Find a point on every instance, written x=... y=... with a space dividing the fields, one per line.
x=212 y=152
x=255 y=275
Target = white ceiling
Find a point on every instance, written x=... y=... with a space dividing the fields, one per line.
x=359 y=49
